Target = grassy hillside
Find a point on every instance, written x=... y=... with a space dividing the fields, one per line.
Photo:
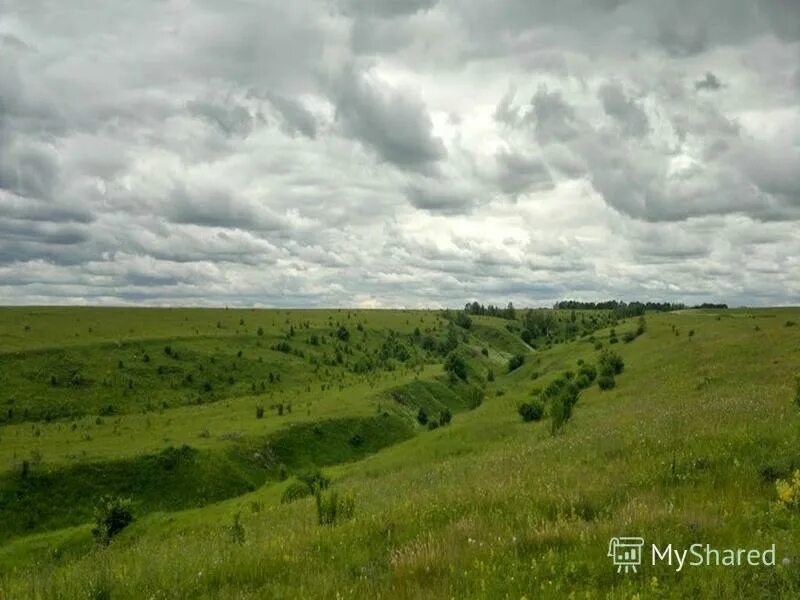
x=686 y=447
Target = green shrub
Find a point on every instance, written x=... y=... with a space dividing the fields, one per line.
x=588 y=371
x=611 y=362
x=333 y=508
x=515 y=362
x=561 y=411
x=606 y=381
x=490 y=375
x=445 y=417
x=259 y=412
x=112 y=514
x=314 y=479
x=295 y=491
x=236 y=529
x=422 y=416
x=454 y=365
x=433 y=424
x=532 y=411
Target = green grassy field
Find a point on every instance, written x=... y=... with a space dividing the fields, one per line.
x=204 y=418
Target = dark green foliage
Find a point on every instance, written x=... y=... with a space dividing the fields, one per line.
x=606 y=381
x=333 y=508
x=260 y=331
x=422 y=415
x=433 y=424
x=588 y=371
x=314 y=479
x=259 y=412
x=463 y=320
x=561 y=409
x=236 y=529
x=490 y=375
x=455 y=366
x=515 y=362
x=295 y=491
x=112 y=514
x=445 y=417
x=530 y=411
x=611 y=362
x=343 y=334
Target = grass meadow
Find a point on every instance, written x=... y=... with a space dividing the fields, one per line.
x=204 y=418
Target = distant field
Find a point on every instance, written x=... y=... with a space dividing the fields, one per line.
x=204 y=418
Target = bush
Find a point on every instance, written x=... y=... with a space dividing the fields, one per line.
x=236 y=529
x=333 y=508
x=422 y=416
x=561 y=410
x=587 y=371
x=314 y=479
x=515 y=362
x=463 y=320
x=611 y=362
x=606 y=381
x=295 y=491
x=112 y=514
x=433 y=424
x=445 y=417
x=455 y=366
x=530 y=411
x=490 y=375
x=343 y=334
x=260 y=331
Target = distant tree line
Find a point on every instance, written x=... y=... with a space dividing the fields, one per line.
x=621 y=310
x=475 y=308
x=710 y=305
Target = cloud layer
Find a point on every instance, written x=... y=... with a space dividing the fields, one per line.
x=426 y=153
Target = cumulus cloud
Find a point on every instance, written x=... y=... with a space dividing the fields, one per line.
x=382 y=153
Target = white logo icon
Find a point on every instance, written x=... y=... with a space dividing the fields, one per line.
x=626 y=552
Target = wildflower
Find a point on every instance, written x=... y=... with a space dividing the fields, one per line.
x=789 y=491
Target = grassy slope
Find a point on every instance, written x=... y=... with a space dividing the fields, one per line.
x=684 y=449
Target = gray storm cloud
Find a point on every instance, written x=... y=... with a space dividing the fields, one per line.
x=418 y=153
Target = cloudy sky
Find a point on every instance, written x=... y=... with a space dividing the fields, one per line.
x=399 y=153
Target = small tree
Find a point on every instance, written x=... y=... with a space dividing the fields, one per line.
x=422 y=415
x=606 y=381
x=333 y=508
x=259 y=412
x=445 y=417
x=530 y=411
x=455 y=366
x=111 y=515
x=515 y=362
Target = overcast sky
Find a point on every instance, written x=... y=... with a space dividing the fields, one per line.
x=388 y=153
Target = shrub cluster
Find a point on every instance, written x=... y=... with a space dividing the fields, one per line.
x=515 y=362
x=333 y=508
x=112 y=514
x=531 y=411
